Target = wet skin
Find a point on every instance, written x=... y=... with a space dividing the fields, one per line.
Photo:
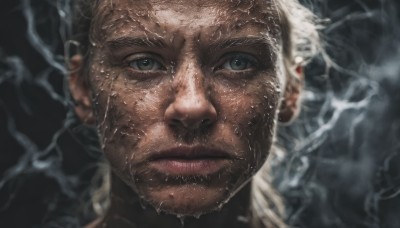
x=185 y=96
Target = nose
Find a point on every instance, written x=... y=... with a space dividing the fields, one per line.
x=191 y=107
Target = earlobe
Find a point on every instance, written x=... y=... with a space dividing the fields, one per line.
x=80 y=90
x=290 y=104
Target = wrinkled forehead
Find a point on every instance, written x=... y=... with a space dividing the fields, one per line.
x=163 y=18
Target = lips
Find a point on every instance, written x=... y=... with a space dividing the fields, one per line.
x=183 y=161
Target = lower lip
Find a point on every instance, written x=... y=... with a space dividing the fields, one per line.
x=189 y=166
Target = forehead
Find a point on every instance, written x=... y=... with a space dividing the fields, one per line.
x=163 y=18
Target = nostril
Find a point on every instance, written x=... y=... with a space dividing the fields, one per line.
x=191 y=124
x=175 y=122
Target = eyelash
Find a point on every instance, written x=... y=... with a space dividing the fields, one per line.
x=133 y=61
x=250 y=62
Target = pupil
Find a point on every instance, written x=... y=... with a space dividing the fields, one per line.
x=238 y=63
x=146 y=62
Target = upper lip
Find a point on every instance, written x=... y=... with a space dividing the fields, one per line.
x=195 y=152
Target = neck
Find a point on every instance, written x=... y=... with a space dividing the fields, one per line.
x=126 y=210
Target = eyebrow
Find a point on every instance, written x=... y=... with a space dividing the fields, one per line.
x=239 y=42
x=144 y=42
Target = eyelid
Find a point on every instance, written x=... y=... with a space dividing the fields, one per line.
x=144 y=55
x=228 y=56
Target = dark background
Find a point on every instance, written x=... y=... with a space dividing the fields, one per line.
x=342 y=164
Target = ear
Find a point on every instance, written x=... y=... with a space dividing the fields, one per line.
x=290 y=104
x=80 y=91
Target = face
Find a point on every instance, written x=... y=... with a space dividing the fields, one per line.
x=185 y=96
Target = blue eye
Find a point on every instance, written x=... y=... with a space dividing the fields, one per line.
x=145 y=64
x=239 y=62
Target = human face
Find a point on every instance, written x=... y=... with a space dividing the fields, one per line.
x=185 y=96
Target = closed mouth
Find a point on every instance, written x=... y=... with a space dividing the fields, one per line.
x=196 y=160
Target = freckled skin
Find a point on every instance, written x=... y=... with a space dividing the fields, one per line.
x=192 y=100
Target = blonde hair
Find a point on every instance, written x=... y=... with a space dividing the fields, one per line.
x=300 y=43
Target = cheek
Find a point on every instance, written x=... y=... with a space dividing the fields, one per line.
x=251 y=112
x=250 y=107
x=124 y=114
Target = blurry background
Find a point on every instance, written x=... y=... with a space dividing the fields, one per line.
x=342 y=167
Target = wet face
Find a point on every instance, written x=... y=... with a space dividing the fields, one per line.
x=185 y=95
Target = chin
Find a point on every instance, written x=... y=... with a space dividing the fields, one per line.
x=188 y=200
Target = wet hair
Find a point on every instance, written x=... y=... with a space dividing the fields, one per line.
x=299 y=43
